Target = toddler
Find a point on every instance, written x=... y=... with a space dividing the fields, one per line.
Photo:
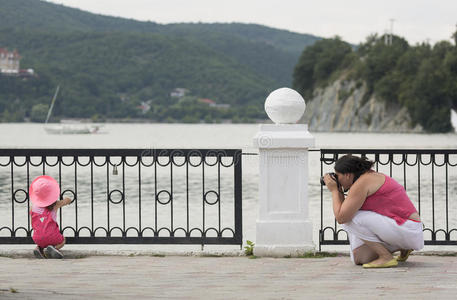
x=44 y=193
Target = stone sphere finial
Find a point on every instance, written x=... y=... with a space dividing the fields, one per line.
x=285 y=106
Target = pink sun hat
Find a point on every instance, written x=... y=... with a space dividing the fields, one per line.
x=44 y=191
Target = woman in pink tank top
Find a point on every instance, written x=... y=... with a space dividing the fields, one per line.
x=44 y=193
x=377 y=214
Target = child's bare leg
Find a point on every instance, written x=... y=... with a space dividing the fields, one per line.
x=383 y=253
x=364 y=254
x=59 y=246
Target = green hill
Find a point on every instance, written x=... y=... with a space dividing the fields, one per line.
x=108 y=67
x=36 y=14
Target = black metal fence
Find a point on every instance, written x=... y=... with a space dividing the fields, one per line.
x=429 y=177
x=128 y=196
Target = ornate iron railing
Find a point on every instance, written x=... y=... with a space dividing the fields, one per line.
x=429 y=177
x=128 y=196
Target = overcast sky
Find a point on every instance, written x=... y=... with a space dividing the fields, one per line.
x=353 y=20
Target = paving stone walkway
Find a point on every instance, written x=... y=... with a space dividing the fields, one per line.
x=194 y=277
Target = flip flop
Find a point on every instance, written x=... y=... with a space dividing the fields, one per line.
x=391 y=263
x=404 y=257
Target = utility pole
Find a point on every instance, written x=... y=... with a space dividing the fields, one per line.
x=455 y=35
x=391 y=30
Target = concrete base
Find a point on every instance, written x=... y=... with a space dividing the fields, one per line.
x=283 y=238
x=283 y=251
x=284 y=233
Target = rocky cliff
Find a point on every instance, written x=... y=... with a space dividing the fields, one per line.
x=341 y=107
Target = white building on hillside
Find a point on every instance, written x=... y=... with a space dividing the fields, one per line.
x=179 y=92
x=9 y=61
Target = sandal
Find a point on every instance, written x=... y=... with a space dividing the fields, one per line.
x=391 y=263
x=404 y=257
x=38 y=252
x=52 y=252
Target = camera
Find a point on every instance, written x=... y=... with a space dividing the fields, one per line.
x=333 y=175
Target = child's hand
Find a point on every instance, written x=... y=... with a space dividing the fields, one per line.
x=63 y=202
x=67 y=200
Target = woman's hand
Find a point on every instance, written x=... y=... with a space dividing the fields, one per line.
x=330 y=182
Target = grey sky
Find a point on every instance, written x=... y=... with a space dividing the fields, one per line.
x=353 y=20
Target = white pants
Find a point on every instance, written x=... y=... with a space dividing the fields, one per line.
x=373 y=227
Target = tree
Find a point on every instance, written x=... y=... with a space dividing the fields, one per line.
x=450 y=65
x=430 y=105
x=39 y=113
x=317 y=63
x=380 y=59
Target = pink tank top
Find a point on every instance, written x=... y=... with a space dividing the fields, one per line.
x=390 y=200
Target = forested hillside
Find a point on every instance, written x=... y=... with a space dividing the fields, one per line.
x=422 y=78
x=113 y=68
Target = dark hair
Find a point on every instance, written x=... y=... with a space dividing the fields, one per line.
x=353 y=164
x=51 y=206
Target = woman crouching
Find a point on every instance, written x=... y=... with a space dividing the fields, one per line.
x=377 y=214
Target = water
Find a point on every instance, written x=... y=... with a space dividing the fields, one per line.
x=219 y=136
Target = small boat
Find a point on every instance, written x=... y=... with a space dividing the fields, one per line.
x=72 y=129
x=68 y=128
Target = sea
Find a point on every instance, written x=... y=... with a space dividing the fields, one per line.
x=224 y=136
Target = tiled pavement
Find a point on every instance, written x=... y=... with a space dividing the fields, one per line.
x=235 y=277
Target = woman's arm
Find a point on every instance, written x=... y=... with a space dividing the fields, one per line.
x=354 y=200
x=345 y=210
x=338 y=200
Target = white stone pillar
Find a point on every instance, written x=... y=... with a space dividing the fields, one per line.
x=283 y=226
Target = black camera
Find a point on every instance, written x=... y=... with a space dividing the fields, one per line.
x=333 y=175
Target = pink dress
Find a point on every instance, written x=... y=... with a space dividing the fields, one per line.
x=45 y=228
